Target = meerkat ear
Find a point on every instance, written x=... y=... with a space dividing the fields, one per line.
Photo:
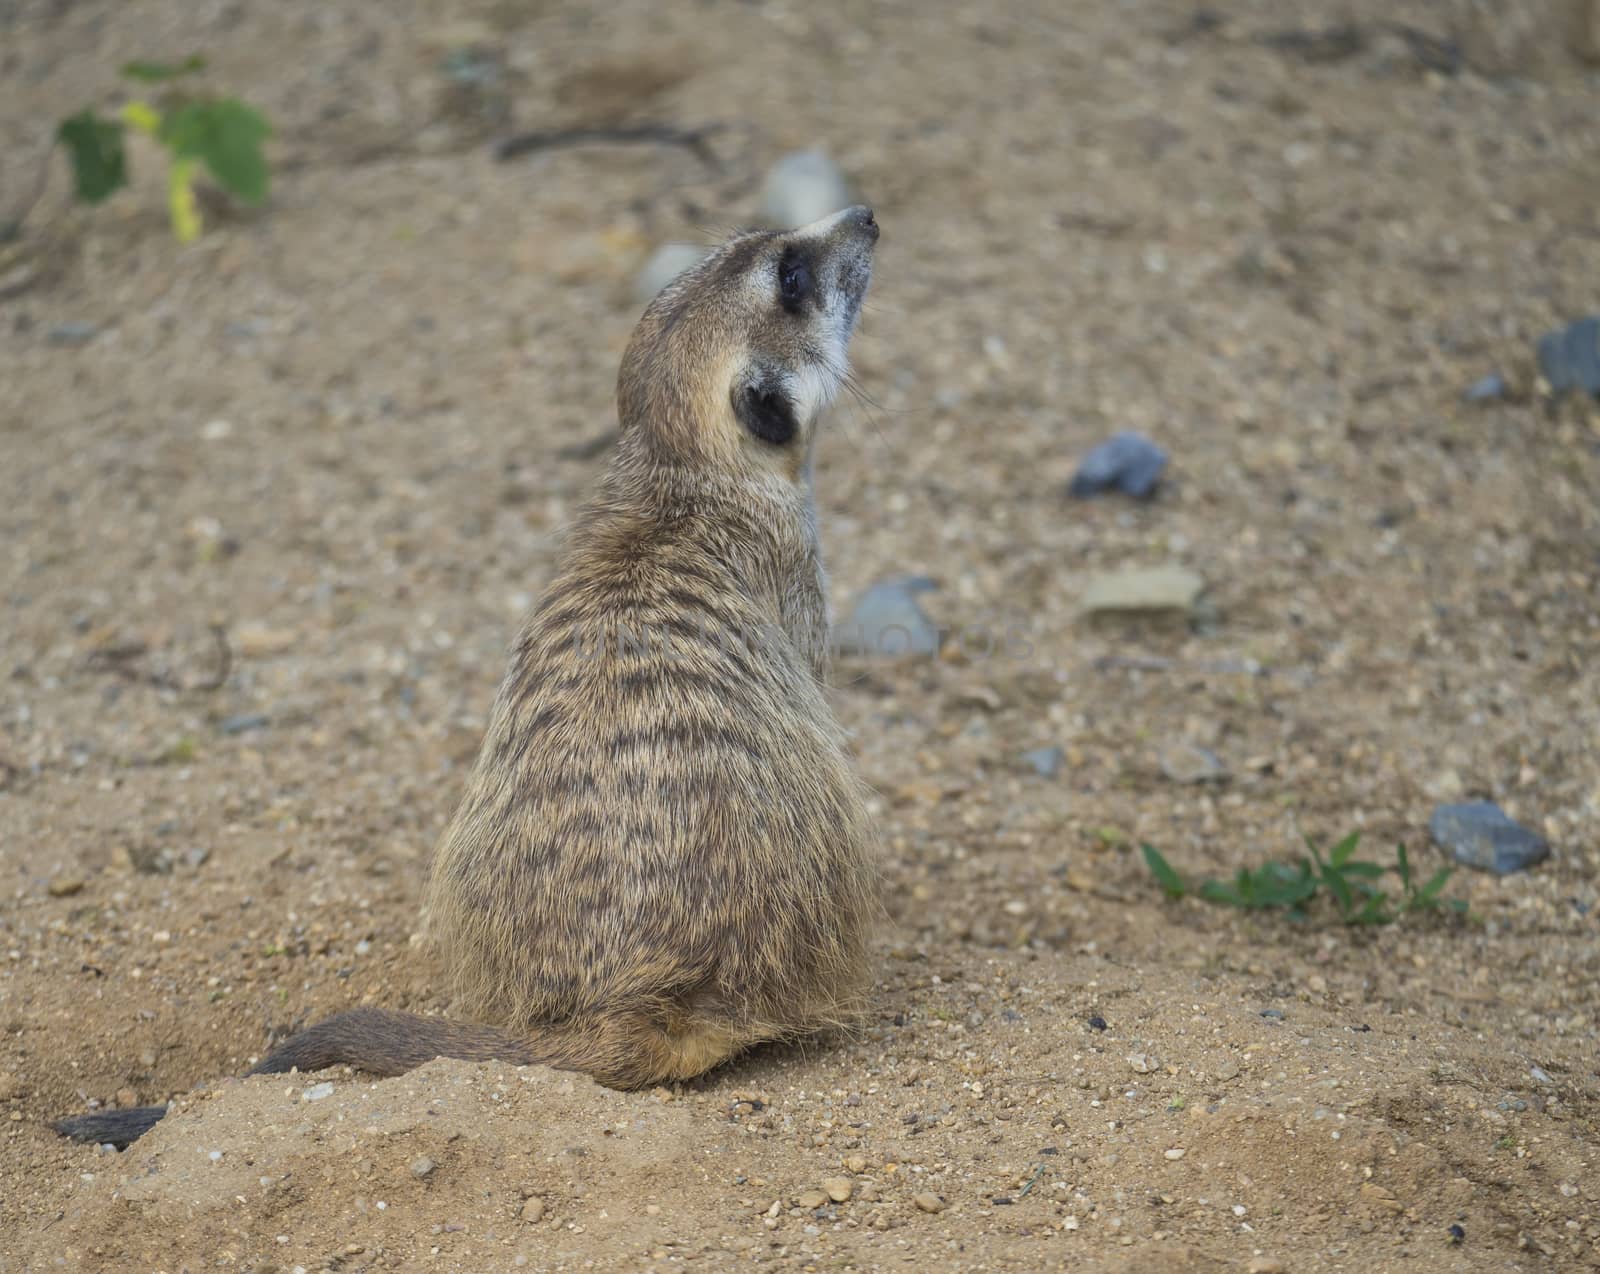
x=767 y=411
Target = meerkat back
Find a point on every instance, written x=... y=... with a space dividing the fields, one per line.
x=663 y=853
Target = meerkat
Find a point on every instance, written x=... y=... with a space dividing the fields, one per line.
x=663 y=855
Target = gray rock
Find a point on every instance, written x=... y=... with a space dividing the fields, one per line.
x=71 y=334
x=1143 y=590
x=1126 y=462
x=1569 y=357
x=1045 y=762
x=244 y=723
x=665 y=264
x=802 y=187
x=888 y=621
x=1479 y=835
x=1487 y=390
x=1186 y=763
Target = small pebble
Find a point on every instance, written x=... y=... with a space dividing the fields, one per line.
x=533 y=1210
x=1127 y=462
x=1045 y=762
x=1479 y=835
x=1488 y=389
x=927 y=1201
x=664 y=265
x=71 y=334
x=421 y=1166
x=317 y=1092
x=802 y=187
x=839 y=1188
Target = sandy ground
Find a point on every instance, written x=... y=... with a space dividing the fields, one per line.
x=347 y=430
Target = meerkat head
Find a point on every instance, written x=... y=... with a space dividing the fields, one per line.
x=737 y=358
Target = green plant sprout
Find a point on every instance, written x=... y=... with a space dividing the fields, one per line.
x=1291 y=886
x=220 y=133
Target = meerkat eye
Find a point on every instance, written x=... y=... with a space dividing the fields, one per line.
x=794 y=280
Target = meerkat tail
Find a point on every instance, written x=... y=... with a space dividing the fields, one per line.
x=384 y=1042
x=380 y=1042
x=119 y=1128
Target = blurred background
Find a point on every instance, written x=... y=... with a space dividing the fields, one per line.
x=273 y=501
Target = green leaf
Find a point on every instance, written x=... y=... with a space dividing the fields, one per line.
x=1340 y=889
x=1340 y=853
x=226 y=136
x=1362 y=870
x=1376 y=912
x=154 y=72
x=1171 y=883
x=1430 y=891
x=99 y=166
x=1221 y=891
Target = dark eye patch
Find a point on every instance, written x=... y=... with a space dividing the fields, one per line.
x=766 y=411
x=796 y=283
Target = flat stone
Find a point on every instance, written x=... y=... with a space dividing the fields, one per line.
x=1143 y=590
x=1479 y=835
x=1127 y=462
